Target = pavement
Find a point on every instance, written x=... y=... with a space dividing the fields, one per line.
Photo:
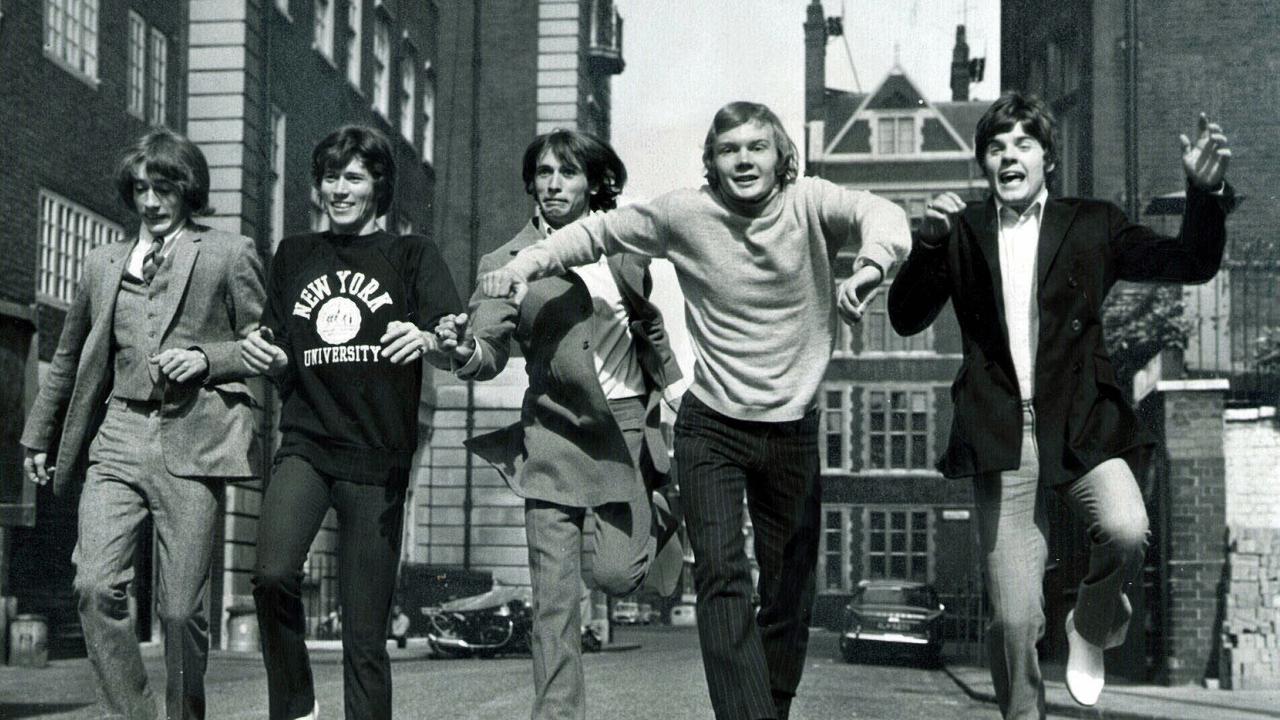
x=1126 y=700
x=649 y=672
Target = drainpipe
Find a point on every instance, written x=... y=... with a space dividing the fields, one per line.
x=473 y=267
x=1132 y=156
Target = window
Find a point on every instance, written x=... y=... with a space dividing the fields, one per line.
x=71 y=35
x=137 y=79
x=878 y=335
x=158 y=67
x=382 y=66
x=322 y=40
x=835 y=573
x=408 y=98
x=897 y=543
x=355 y=22
x=897 y=426
x=67 y=232
x=896 y=135
x=835 y=429
x=428 y=114
x=277 y=175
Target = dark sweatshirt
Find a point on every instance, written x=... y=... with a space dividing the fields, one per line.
x=347 y=410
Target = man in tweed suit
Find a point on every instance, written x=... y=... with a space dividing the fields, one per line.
x=147 y=388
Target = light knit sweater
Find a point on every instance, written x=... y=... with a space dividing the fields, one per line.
x=757 y=282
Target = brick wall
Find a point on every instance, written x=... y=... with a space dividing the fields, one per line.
x=1252 y=449
x=1250 y=658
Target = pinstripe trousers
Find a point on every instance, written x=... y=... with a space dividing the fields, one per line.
x=752 y=660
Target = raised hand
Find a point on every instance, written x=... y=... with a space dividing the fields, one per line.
x=854 y=294
x=1205 y=161
x=936 y=224
x=502 y=284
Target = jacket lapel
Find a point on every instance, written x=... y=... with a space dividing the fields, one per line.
x=984 y=222
x=1053 y=230
x=184 y=254
x=106 y=291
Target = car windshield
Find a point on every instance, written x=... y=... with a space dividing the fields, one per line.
x=914 y=596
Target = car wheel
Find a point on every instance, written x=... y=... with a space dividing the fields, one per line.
x=848 y=652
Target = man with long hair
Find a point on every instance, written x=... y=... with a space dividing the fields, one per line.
x=753 y=250
x=598 y=361
x=147 y=366
x=1037 y=406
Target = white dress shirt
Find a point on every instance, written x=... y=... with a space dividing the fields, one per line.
x=143 y=246
x=1019 y=240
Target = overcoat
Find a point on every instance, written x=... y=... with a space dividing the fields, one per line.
x=566 y=447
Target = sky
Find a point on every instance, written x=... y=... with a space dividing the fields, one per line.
x=686 y=58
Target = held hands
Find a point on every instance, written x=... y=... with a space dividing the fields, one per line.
x=936 y=224
x=855 y=294
x=180 y=366
x=1205 y=161
x=260 y=355
x=451 y=333
x=404 y=343
x=502 y=284
x=34 y=466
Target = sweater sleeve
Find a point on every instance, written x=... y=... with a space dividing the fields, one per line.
x=855 y=219
x=636 y=229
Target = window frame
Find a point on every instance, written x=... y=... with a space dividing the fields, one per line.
x=67 y=232
x=322 y=29
x=428 y=114
x=75 y=51
x=355 y=42
x=136 y=68
x=928 y=390
x=900 y=122
x=381 y=90
x=157 y=77
x=845 y=392
x=909 y=532
x=408 y=93
x=843 y=553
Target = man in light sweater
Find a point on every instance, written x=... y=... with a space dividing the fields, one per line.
x=753 y=250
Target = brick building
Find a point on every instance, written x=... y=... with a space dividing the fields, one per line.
x=1124 y=80
x=256 y=83
x=82 y=79
x=885 y=403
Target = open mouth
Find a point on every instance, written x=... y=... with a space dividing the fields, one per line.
x=1009 y=177
x=341 y=206
x=745 y=179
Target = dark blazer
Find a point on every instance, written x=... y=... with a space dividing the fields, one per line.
x=213 y=299
x=567 y=448
x=1083 y=417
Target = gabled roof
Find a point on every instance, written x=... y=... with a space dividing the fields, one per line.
x=896 y=92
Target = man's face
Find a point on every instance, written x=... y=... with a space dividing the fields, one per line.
x=561 y=190
x=158 y=201
x=746 y=161
x=348 y=198
x=1015 y=166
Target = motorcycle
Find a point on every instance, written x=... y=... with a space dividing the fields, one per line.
x=497 y=622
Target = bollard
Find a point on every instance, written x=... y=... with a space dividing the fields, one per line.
x=29 y=641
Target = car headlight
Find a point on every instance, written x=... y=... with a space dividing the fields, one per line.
x=503 y=611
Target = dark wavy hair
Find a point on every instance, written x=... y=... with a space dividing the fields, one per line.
x=166 y=154
x=341 y=146
x=1012 y=108
x=606 y=175
x=739 y=113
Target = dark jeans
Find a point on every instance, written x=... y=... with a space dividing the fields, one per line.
x=370 y=522
x=753 y=661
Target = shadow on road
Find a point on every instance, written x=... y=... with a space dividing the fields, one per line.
x=12 y=711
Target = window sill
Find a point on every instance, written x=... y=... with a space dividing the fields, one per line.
x=78 y=74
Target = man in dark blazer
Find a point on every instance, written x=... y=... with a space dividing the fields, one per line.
x=145 y=401
x=589 y=435
x=1037 y=404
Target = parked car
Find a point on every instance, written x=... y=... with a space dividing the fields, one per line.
x=893 y=615
x=684 y=614
x=626 y=612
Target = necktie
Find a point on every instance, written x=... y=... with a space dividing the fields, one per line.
x=151 y=261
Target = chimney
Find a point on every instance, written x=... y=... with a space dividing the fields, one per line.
x=960 y=68
x=815 y=62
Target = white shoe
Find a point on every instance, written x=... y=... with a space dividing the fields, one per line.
x=1086 y=671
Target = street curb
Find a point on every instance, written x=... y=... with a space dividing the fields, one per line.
x=1057 y=708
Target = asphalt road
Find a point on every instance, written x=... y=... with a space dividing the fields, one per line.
x=660 y=677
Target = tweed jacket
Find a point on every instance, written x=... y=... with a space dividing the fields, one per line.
x=1083 y=418
x=567 y=448
x=214 y=298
